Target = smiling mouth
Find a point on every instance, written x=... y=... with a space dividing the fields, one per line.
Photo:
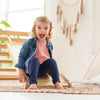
x=42 y=35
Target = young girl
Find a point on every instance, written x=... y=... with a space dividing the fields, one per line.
x=35 y=57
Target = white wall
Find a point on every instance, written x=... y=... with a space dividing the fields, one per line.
x=74 y=60
x=96 y=24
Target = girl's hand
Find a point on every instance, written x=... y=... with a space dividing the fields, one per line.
x=22 y=76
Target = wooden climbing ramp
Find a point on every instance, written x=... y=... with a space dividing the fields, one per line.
x=7 y=37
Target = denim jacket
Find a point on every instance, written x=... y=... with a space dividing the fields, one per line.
x=27 y=51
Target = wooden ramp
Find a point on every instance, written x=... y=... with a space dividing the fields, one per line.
x=46 y=81
x=6 y=72
x=14 y=49
x=94 y=67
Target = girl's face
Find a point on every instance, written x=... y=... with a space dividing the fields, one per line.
x=42 y=30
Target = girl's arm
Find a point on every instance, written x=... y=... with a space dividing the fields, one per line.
x=22 y=75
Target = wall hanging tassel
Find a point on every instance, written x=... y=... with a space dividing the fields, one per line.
x=67 y=32
x=65 y=29
x=60 y=14
x=81 y=7
x=57 y=13
x=69 y=35
x=64 y=26
x=57 y=10
x=77 y=18
x=71 y=41
x=75 y=28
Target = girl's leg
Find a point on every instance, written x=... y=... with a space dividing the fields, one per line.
x=33 y=71
x=51 y=67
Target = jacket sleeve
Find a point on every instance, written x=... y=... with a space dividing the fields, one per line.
x=51 y=46
x=22 y=55
x=51 y=49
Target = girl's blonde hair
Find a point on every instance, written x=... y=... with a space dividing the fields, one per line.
x=42 y=19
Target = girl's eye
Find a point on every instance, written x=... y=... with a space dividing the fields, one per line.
x=39 y=27
x=45 y=28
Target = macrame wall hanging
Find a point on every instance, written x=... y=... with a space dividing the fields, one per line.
x=69 y=15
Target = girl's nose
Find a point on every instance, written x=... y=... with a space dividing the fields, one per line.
x=42 y=30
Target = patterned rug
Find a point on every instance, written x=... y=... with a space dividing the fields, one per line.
x=77 y=88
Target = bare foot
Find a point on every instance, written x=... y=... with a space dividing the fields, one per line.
x=58 y=86
x=33 y=87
